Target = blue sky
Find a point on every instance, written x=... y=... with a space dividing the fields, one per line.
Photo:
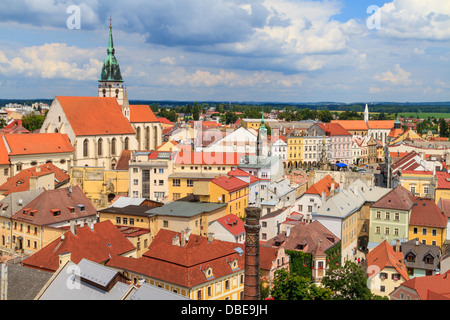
x=230 y=50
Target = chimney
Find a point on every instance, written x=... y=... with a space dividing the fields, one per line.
x=210 y=237
x=64 y=258
x=324 y=197
x=73 y=227
x=288 y=232
x=176 y=241
x=251 y=273
x=397 y=246
x=183 y=238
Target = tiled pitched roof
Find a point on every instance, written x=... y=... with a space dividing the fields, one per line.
x=323 y=185
x=98 y=245
x=443 y=180
x=398 y=198
x=142 y=113
x=334 y=129
x=383 y=256
x=183 y=266
x=381 y=124
x=239 y=173
x=436 y=287
x=230 y=184
x=232 y=223
x=86 y=116
x=352 y=124
x=38 y=143
x=56 y=199
x=21 y=181
x=427 y=213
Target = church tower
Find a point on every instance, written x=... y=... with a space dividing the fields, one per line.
x=111 y=82
x=366 y=115
x=261 y=141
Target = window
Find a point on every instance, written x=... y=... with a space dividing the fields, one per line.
x=199 y=295
x=227 y=284
x=127 y=143
x=161 y=171
x=5 y=171
x=396 y=231
x=176 y=196
x=397 y=216
x=118 y=220
x=264 y=224
x=125 y=220
x=378 y=215
x=165 y=223
x=176 y=182
x=413 y=190
x=386 y=230
x=190 y=182
x=426 y=189
x=100 y=147
x=85 y=148
x=434 y=232
x=135 y=182
x=415 y=231
x=424 y=231
x=377 y=230
x=387 y=216
x=113 y=146
x=131 y=221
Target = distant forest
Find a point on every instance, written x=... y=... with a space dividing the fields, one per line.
x=221 y=107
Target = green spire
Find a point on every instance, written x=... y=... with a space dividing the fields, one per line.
x=110 y=69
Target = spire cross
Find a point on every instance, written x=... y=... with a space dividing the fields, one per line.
x=110 y=22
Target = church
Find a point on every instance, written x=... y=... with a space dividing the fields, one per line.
x=101 y=127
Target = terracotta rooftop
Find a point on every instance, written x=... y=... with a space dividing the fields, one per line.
x=98 y=245
x=86 y=116
x=231 y=184
x=232 y=223
x=436 y=287
x=334 y=129
x=427 y=213
x=323 y=185
x=383 y=256
x=142 y=113
x=399 y=198
x=38 y=143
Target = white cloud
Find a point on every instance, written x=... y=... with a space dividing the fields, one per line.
x=416 y=19
x=398 y=77
x=52 y=61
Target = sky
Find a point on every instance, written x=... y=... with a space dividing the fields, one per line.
x=290 y=51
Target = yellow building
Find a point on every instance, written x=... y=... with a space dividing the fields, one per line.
x=295 y=149
x=224 y=189
x=420 y=183
x=443 y=186
x=428 y=223
x=48 y=216
x=200 y=268
x=101 y=186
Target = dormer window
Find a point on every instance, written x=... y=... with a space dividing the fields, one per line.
x=71 y=209
x=26 y=211
x=55 y=212
x=81 y=207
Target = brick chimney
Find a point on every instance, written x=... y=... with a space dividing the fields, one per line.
x=251 y=280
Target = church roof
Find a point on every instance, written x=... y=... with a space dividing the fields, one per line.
x=86 y=116
x=142 y=113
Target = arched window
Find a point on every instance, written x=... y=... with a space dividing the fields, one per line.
x=85 y=148
x=100 y=147
x=104 y=92
x=127 y=143
x=138 y=137
x=155 y=136
x=113 y=146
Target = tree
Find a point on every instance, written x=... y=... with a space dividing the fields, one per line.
x=348 y=282
x=443 y=128
x=33 y=121
x=196 y=112
x=293 y=287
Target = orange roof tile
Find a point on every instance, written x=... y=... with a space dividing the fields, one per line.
x=99 y=245
x=21 y=181
x=352 y=124
x=324 y=185
x=428 y=214
x=334 y=129
x=142 y=113
x=38 y=143
x=230 y=184
x=384 y=256
x=436 y=287
x=381 y=124
x=86 y=116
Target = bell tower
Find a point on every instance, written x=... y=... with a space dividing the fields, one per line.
x=111 y=82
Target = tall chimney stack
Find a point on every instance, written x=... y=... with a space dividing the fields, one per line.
x=251 y=280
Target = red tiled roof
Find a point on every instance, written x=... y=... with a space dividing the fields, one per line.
x=381 y=124
x=436 y=287
x=86 y=116
x=324 y=185
x=428 y=214
x=384 y=256
x=230 y=184
x=142 y=113
x=60 y=199
x=98 y=245
x=334 y=129
x=352 y=124
x=399 y=198
x=165 y=121
x=183 y=266
x=38 y=143
x=443 y=180
x=123 y=163
x=232 y=223
x=21 y=181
